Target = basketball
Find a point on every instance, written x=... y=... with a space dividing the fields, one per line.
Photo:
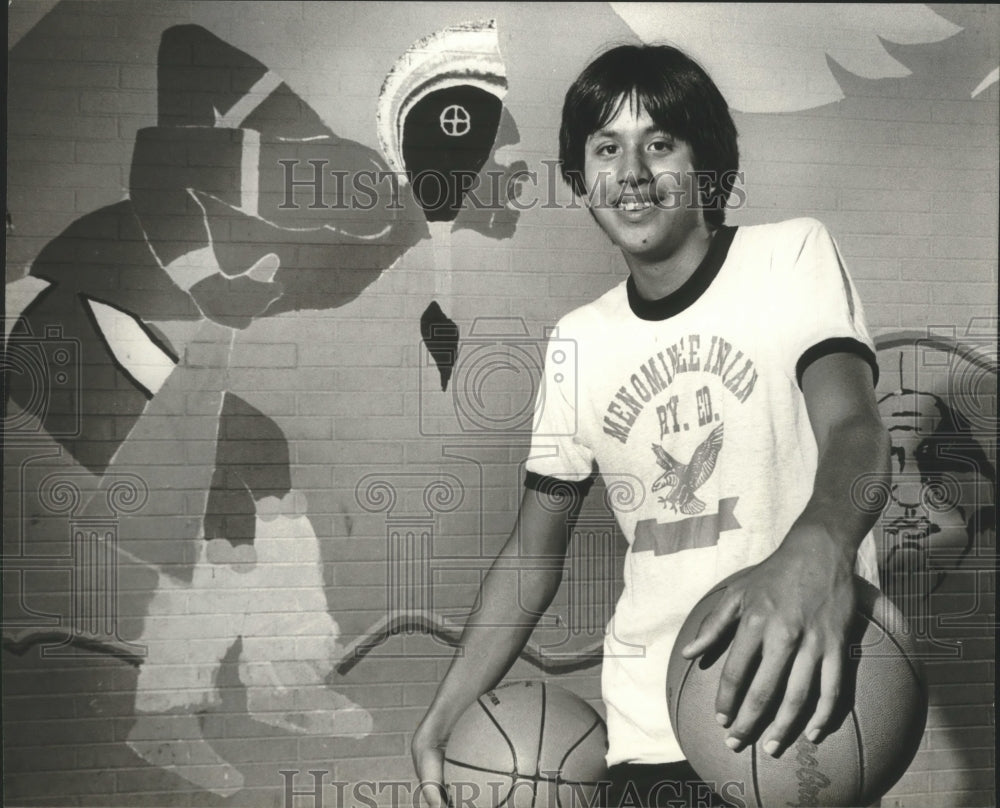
x=868 y=745
x=526 y=745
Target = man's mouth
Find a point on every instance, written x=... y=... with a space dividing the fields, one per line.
x=634 y=204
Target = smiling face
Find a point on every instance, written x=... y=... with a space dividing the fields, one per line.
x=642 y=188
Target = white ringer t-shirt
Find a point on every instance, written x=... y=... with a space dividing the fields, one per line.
x=690 y=407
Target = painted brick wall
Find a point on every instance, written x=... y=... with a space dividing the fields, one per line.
x=344 y=399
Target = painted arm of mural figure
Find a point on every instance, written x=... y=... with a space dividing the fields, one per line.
x=516 y=591
x=172 y=450
x=794 y=608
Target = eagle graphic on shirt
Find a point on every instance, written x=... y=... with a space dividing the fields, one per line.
x=683 y=480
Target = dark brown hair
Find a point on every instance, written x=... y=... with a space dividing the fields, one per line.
x=679 y=96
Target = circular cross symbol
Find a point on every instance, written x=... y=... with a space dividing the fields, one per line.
x=455 y=120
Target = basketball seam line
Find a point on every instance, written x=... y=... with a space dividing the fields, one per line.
x=918 y=678
x=513 y=751
x=474 y=767
x=753 y=775
x=541 y=740
x=537 y=778
x=861 y=751
x=902 y=651
x=676 y=717
x=569 y=752
x=581 y=739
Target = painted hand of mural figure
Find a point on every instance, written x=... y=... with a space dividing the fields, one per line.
x=792 y=611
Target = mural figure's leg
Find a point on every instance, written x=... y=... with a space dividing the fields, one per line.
x=289 y=638
x=173 y=741
x=186 y=642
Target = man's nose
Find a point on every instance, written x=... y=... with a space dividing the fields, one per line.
x=635 y=168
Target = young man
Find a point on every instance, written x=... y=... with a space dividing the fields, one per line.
x=729 y=379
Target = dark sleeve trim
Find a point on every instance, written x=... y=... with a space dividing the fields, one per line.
x=553 y=485
x=832 y=346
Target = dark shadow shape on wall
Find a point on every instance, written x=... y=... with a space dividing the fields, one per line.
x=440 y=335
x=251 y=463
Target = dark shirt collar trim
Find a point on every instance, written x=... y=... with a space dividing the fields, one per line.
x=692 y=289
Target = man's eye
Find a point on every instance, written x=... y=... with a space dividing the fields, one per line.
x=661 y=145
x=607 y=149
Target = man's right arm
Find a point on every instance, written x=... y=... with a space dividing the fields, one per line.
x=516 y=591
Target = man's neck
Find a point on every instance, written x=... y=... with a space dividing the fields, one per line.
x=657 y=279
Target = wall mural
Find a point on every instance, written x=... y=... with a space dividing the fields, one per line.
x=799 y=75
x=149 y=296
x=191 y=257
x=939 y=404
x=439 y=112
x=440 y=118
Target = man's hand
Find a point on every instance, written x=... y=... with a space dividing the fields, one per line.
x=794 y=609
x=793 y=612
x=518 y=588
x=427 y=748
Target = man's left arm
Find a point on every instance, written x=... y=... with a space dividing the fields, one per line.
x=794 y=608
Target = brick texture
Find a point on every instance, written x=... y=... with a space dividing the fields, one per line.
x=902 y=170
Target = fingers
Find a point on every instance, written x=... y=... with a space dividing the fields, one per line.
x=831 y=680
x=743 y=655
x=714 y=627
x=767 y=684
x=797 y=695
x=798 y=692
